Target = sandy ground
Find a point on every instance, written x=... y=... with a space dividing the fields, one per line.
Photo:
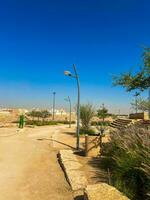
x=29 y=169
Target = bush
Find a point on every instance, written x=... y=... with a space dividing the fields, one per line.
x=100 y=123
x=65 y=122
x=40 y=123
x=128 y=158
x=45 y=123
x=86 y=114
x=87 y=131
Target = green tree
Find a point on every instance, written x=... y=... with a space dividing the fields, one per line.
x=142 y=104
x=140 y=80
x=86 y=114
x=44 y=114
x=32 y=114
x=102 y=113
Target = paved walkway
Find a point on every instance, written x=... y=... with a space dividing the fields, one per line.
x=28 y=165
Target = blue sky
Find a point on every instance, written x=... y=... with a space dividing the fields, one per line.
x=39 y=39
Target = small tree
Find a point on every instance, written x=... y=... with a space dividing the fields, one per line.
x=102 y=113
x=38 y=114
x=33 y=114
x=44 y=114
x=86 y=114
x=142 y=104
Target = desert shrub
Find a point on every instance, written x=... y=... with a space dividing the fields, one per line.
x=100 y=123
x=102 y=113
x=86 y=115
x=65 y=122
x=128 y=158
x=40 y=123
x=89 y=131
x=46 y=123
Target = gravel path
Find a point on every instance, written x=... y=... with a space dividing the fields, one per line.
x=28 y=165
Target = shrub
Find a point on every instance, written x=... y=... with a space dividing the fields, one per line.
x=102 y=113
x=45 y=123
x=86 y=114
x=87 y=131
x=40 y=123
x=100 y=123
x=65 y=122
x=128 y=158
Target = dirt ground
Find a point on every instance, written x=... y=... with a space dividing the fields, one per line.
x=29 y=169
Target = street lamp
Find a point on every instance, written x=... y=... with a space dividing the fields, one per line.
x=69 y=100
x=54 y=93
x=68 y=73
x=149 y=102
x=136 y=101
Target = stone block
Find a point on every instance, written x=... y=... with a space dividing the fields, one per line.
x=103 y=191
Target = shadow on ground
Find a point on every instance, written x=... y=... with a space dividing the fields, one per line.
x=101 y=174
x=73 y=134
x=59 y=142
x=79 y=197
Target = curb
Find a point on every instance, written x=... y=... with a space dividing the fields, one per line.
x=73 y=173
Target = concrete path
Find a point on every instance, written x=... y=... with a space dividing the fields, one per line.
x=28 y=166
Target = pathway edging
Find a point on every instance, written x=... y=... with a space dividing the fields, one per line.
x=74 y=175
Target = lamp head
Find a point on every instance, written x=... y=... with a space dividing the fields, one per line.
x=67 y=73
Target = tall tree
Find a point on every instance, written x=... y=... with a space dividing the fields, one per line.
x=137 y=81
x=140 y=80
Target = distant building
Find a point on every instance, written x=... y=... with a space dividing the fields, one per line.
x=60 y=112
x=13 y=111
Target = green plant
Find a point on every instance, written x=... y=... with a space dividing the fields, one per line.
x=100 y=123
x=65 y=122
x=86 y=114
x=40 y=123
x=141 y=104
x=45 y=114
x=140 y=80
x=102 y=113
x=87 y=131
x=128 y=158
x=45 y=123
x=39 y=114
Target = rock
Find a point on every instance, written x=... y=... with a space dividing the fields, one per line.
x=74 y=175
x=103 y=191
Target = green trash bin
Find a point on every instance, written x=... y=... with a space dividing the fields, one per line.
x=21 y=121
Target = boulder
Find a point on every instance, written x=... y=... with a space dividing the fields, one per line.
x=102 y=191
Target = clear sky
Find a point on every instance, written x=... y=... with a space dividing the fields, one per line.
x=39 y=39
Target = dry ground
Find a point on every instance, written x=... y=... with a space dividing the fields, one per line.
x=28 y=167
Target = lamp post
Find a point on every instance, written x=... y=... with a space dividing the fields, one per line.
x=149 y=102
x=136 y=101
x=68 y=73
x=69 y=100
x=54 y=93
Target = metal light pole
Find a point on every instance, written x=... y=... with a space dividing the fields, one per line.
x=136 y=101
x=54 y=93
x=69 y=100
x=149 y=102
x=68 y=73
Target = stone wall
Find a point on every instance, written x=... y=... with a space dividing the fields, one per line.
x=103 y=191
x=143 y=115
